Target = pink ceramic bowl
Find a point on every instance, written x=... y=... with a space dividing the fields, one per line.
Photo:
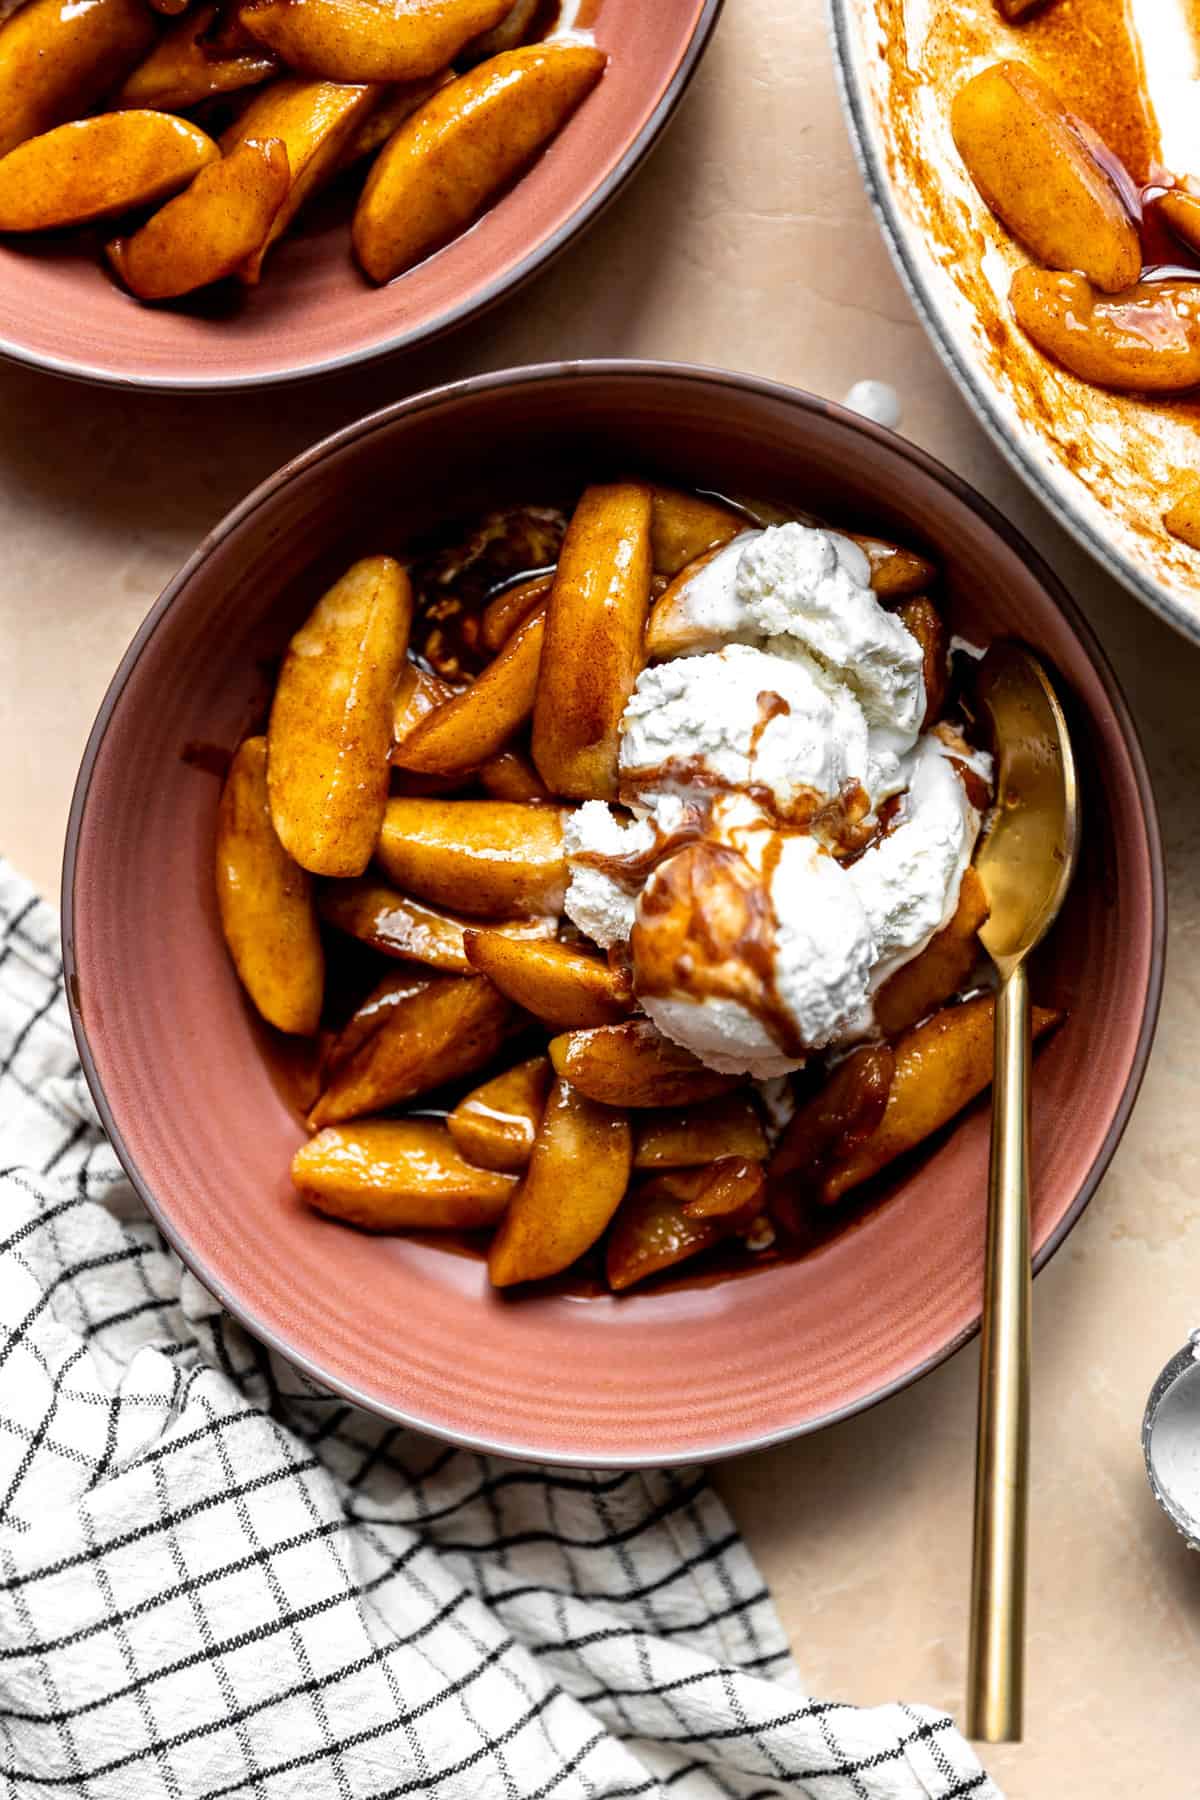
x=197 y=1112
x=314 y=312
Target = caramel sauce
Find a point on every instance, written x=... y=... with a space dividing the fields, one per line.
x=707 y=924
x=633 y=868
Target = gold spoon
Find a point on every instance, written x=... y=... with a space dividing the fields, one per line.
x=1026 y=862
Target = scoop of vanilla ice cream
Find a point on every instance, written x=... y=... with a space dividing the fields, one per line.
x=601 y=898
x=739 y=718
x=908 y=882
x=816 y=688
x=600 y=905
x=710 y=601
x=792 y=581
x=822 y=963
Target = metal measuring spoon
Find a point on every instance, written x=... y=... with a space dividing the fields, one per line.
x=1025 y=863
x=1171 y=1440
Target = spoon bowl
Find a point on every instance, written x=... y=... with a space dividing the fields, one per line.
x=1028 y=856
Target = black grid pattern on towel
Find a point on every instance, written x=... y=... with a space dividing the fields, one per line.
x=218 y=1581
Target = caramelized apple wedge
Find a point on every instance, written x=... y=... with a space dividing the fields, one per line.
x=685 y=526
x=895 y=571
x=1181 y=210
x=1182 y=519
x=843 y=1114
x=462 y=733
x=497 y=1123
x=697 y=610
x=575 y=1181
x=568 y=988
x=593 y=651
x=209 y=229
x=400 y=926
x=940 y=1067
x=182 y=70
x=396 y=1175
x=398 y=984
x=488 y=858
x=501 y=616
x=693 y=1136
x=1031 y=161
x=941 y=969
x=509 y=775
x=58 y=59
x=398 y=104
x=314 y=120
x=1145 y=340
x=369 y=40
x=331 y=722
x=417 y=694
x=92 y=168
x=671 y=1218
x=922 y=618
x=449 y=1029
x=634 y=1065
x=732 y=1190
x=462 y=147
x=509 y=34
x=266 y=902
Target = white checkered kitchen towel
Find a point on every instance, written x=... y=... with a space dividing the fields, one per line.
x=217 y=1580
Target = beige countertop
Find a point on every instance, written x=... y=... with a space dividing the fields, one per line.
x=748 y=241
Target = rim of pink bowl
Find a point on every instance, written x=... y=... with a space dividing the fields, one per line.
x=653 y=371
x=475 y=306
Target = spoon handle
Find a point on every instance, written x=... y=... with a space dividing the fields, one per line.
x=996 y=1666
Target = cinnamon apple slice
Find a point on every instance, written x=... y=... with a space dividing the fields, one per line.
x=685 y=526
x=509 y=775
x=331 y=719
x=673 y=1217
x=634 y=1065
x=1182 y=519
x=462 y=147
x=315 y=121
x=501 y=616
x=400 y=926
x=266 y=902
x=686 y=1137
x=398 y=1174
x=463 y=732
x=593 y=649
x=417 y=693
x=568 y=988
x=575 y=1181
x=92 y=168
x=1033 y=165
x=206 y=232
x=495 y=1125
x=182 y=70
x=895 y=571
x=447 y=1029
x=487 y=858
x=942 y=968
x=369 y=40
x=1146 y=339
x=58 y=59
x=940 y=1066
